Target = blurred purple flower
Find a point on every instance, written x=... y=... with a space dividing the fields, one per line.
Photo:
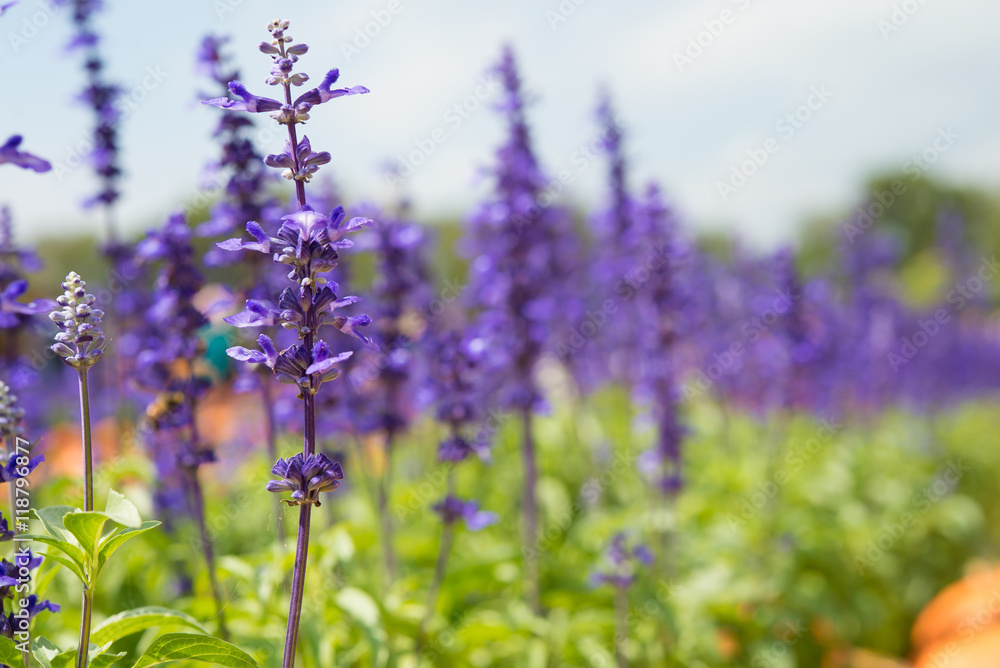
x=10 y=153
x=452 y=509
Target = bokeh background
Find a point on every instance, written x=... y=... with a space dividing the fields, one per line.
x=813 y=527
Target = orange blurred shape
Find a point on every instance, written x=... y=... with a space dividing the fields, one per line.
x=218 y=415
x=823 y=631
x=971 y=650
x=62 y=446
x=848 y=657
x=962 y=609
x=726 y=643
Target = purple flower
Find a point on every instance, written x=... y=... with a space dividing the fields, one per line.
x=324 y=361
x=256 y=314
x=297 y=112
x=14 y=261
x=307 y=369
x=13 y=576
x=622 y=563
x=305 y=476
x=458 y=382
x=11 y=309
x=19 y=466
x=102 y=98
x=34 y=606
x=307 y=245
x=9 y=153
x=523 y=274
x=267 y=354
x=452 y=509
x=308 y=241
x=246 y=101
x=80 y=341
x=454 y=449
x=302 y=164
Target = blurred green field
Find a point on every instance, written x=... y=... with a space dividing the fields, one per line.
x=793 y=538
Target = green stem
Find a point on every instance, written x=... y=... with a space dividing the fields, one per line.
x=88 y=505
x=209 y=552
x=298 y=586
x=385 y=481
x=440 y=568
x=530 y=510
x=199 y=509
x=88 y=451
x=82 y=654
x=621 y=625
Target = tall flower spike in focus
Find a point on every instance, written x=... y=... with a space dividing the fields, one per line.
x=80 y=341
x=308 y=244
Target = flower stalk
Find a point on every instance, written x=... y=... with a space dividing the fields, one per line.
x=307 y=243
x=88 y=448
x=80 y=343
x=530 y=506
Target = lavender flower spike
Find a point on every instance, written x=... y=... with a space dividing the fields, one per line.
x=80 y=342
x=23 y=159
x=308 y=243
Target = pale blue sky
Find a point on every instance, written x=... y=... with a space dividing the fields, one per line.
x=886 y=97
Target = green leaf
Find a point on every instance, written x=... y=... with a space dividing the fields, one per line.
x=87 y=528
x=70 y=549
x=10 y=654
x=121 y=510
x=363 y=608
x=52 y=520
x=97 y=657
x=71 y=562
x=360 y=605
x=46 y=574
x=119 y=537
x=178 y=646
x=105 y=660
x=44 y=651
x=140 y=619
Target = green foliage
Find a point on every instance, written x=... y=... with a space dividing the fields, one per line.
x=180 y=646
x=81 y=538
x=829 y=534
x=84 y=549
x=133 y=621
x=98 y=656
x=10 y=654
